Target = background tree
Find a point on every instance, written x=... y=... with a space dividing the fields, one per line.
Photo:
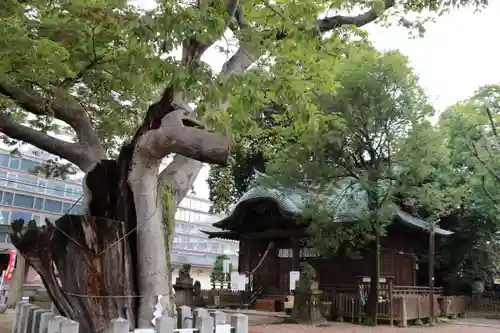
x=357 y=149
x=217 y=274
x=90 y=69
x=470 y=129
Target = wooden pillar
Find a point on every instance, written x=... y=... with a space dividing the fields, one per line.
x=296 y=252
x=390 y=281
x=415 y=262
x=16 y=283
x=431 y=275
x=248 y=262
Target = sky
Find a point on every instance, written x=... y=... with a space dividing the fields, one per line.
x=455 y=57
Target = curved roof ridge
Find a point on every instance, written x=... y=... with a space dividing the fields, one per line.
x=292 y=202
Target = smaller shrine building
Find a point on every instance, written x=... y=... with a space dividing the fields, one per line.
x=268 y=223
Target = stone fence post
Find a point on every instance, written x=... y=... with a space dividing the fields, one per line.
x=32 y=319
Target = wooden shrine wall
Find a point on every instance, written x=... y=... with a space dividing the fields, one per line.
x=273 y=273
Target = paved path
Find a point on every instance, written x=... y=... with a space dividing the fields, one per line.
x=479 y=322
x=342 y=328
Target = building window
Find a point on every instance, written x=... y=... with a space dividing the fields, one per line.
x=39 y=220
x=55 y=188
x=26 y=201
x=28 y=165
x=77 y=209
x=4 y=160
x=201 y=246
x=72 y=192
x=15 y=163
x=4 y=217
x=12 y=180
x=215 y=248
x=52 y=206
x=186 y=203
x=3 y=178
x=42 y=186
x=39 y=203
x=8 y=198
x=66 y=207
x=26 y=183
x=26 y=217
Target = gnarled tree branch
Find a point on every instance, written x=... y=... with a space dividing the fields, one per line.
x=176 y=136
x=65 y=110
x=182 y=171
x=334 y=22
x=72 y=152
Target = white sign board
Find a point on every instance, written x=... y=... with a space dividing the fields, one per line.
x=294 y=277
x=381 y=280
x=238 y=281
x=226 y=266
x=226 y=328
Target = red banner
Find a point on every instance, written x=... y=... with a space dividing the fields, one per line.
x=10 y=267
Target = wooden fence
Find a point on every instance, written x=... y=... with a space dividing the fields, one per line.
x=224 y=298
x=32 y=319
x=482 y=306
x=396 y=303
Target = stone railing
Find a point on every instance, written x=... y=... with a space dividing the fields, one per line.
x=30 y=318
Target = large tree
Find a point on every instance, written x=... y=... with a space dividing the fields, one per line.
x=471 y=131
x=371 y=136
x=91 y=70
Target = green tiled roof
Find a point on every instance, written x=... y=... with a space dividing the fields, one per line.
x=349 y=203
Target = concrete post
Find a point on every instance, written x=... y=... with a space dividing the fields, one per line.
x=184 y=317
x=404 y=316
x=31 y=318
x=219 y=317
x=68 y=326
x=205 y=324
x=118 y=325
x=199 y=312
x=53 y=326
x=37 y=315
x=44 y=321
x=240 y=323
x=28 y=308
x=164 y=324
x=17 y=318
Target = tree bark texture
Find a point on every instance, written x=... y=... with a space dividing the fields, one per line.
x=112 y=262
x=372 y=302
x=85 y=265
x=16 y=284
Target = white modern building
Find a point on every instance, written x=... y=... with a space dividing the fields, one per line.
x=24 y=195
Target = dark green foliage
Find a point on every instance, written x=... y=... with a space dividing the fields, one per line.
x=217 y=274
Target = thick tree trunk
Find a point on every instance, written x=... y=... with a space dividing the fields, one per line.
x=153 y=274
x=372 y=302
x=115 y=261
x=16 y=284
x=84 y=263
x=169 y=208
